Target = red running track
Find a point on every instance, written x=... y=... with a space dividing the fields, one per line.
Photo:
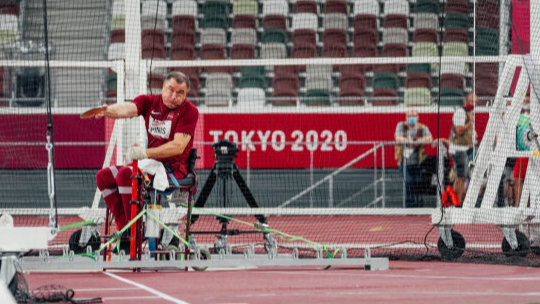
x=405 y=282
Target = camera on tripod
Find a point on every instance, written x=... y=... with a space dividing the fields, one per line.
x=225 y=150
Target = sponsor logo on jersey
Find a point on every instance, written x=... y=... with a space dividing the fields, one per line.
x=159 y=128
x=155 y=113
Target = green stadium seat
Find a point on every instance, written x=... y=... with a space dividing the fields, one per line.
x=221 y=22
x=426 y=49
x=487 y=42
x=455 y=20
x=111 y=81
x=317 y=97
x=252 y=70
x=253 y=81
x=274 y=36
x=215 y=8
x=417 y=97
x=245 y=7
x=427 y=6
x=385 y=81
x=419 y=68
x=451 y=97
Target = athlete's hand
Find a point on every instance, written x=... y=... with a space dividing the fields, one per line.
x=137 y=152
x=103 y=110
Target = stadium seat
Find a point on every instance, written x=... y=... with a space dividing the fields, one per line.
x=334 y=36
x=457 y=6
x=426 y=49
x=395 y=35
x=419 y=68
x=154 y=14
x=365 y=51
x=284 y=99
x=451 y=97
x=454 y=68
x=336 y=21
x=487 y=14
x=213 y=36
x=274 y=36
x=317 y=97
x=275 y=14
x=417 y=97
x=273 y=51
x=351 y=91
x=156 y=37
x=112 y=81
x=305 y=21
x=304 y=36
x=490 y=69
x=486 y=87
x=306 y=7
x=183 y=52
x=183 y=23
x=253 y=81
x=8 y=28
x=427 y=21
x=418 y=80
x=365 y=22
x=244 y=36
x=352 y=71
x=155 y=81
x=153 y=51
x=385 y=81
x=186 y=36
x=487 y=42
x=335 y=50
x=455 y=20
x=384 y=97
x=245 y=7
x=319 y=82
x=456 y=35
x=9 y=8
x=116 y=51
x=247 y=71
x=367 y=36
x=400 y=21
x=452 y=81
x=118 y=8
x=242 y=51
x=218 y=86
x=366 y=7
x=244 y=21
x=394 y=50
x=118 y=22
x=249 y=97
x=213 y=8
x=396 y=7
x=286 y=83
x=425 y=35
x=184 y=8
x=212 y=52
x=218 y=21
x=427 y=6
x=118 y=36
x=336 y=7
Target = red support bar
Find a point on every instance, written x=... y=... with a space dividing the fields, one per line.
x=134 y=203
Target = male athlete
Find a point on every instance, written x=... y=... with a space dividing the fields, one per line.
x=170 y=121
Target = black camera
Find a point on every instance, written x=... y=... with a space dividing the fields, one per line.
x=225 y=150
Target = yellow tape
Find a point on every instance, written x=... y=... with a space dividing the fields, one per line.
x=154 y=207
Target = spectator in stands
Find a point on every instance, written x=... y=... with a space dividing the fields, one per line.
x=170 y=122
x=462 y=138
x=520 y=167
x=410 y=154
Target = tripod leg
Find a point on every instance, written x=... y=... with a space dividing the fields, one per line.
x=205 y=192
x=247 y=193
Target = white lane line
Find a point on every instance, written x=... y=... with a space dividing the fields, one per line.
x=365 y=274
x=150 y=290
x=130 y=298
x=105 y=289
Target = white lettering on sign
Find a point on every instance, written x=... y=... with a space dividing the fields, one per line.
x=159 y=128
x=325 y=141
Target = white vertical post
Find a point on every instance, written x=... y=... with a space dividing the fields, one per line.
x=133 y=63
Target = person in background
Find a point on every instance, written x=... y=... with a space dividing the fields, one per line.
x=413 y=135
x=462 y=140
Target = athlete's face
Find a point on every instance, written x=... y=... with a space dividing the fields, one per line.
x=173 y=93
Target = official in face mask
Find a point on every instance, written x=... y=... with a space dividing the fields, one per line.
x=413 y=135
